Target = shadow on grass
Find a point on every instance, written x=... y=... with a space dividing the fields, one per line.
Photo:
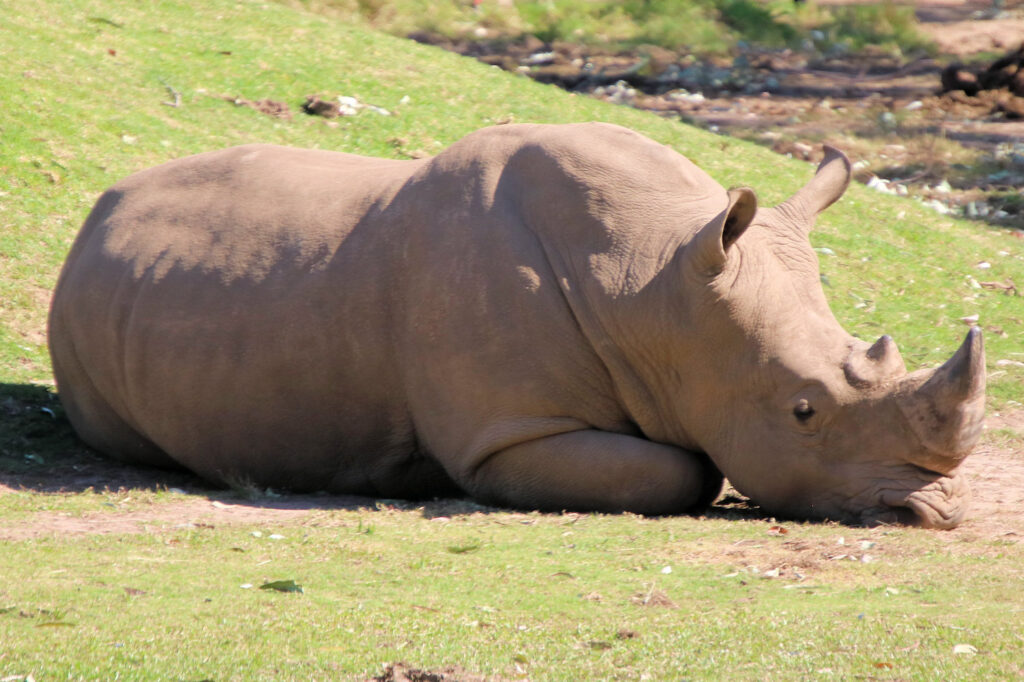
x=39 y=452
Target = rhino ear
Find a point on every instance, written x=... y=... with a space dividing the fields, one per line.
x=828 y=184
x=708 y=248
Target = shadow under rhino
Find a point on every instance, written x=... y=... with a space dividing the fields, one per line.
x=41 y=453
x=541 y=317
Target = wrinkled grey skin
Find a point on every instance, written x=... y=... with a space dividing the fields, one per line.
x=541 y=316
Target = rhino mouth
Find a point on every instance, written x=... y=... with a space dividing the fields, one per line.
x=940 y=503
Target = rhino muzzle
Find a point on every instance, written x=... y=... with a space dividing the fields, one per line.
x=941 y=504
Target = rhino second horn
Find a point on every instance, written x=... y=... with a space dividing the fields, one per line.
x=880 y=363
x=946 y=410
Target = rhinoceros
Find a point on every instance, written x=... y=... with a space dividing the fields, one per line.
x=541 y=316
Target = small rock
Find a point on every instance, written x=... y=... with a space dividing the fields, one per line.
x=348 y=106
x=804 y=149
x=880 y=185
x=540 y=58
x=937 y=206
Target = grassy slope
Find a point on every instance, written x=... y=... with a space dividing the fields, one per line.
x=76 y=117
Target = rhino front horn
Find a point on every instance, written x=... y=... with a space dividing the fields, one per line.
x=946 y=407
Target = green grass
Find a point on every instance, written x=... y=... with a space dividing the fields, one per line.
x=83 y=86
x=392 y=585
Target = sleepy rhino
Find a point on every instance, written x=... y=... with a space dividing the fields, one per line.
x=552 y=317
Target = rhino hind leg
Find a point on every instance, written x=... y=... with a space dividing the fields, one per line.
x=598 y=471
x=98 y=424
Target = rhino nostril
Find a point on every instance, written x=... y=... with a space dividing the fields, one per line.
x=906 y=516
x=890 y=515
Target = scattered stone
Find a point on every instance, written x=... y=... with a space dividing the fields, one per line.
x=343 y=105
x=400 y=672
x=348 y=106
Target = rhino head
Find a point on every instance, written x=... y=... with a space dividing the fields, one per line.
x=825 y=425
x=799 y=415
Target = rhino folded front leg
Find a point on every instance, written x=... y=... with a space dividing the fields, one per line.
x=597 y=470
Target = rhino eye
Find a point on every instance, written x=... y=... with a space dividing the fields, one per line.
x=803 y=411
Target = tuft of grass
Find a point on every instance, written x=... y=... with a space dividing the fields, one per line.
x=885 y=25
